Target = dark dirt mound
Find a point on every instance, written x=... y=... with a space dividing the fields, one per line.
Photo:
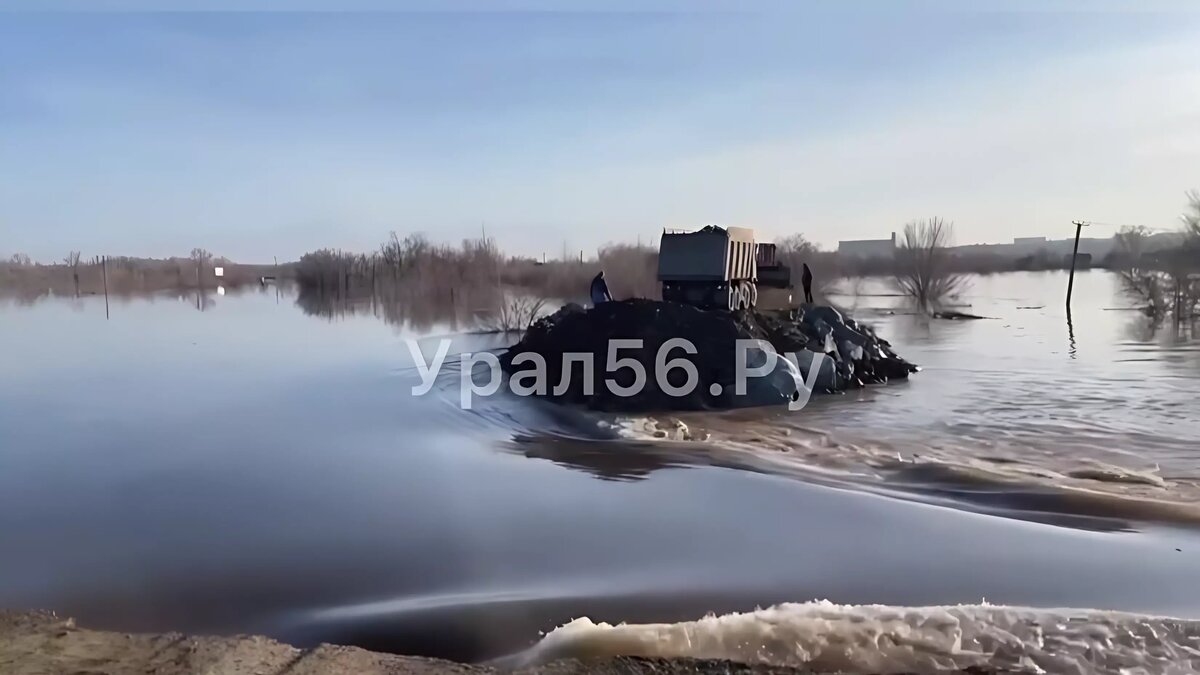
x=857 y=356
x=574 y=330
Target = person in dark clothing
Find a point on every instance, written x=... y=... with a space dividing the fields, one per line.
x=600 y=289
x=806 y=279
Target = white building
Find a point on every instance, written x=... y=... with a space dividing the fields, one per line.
x=1029 y=244
x=868 y=248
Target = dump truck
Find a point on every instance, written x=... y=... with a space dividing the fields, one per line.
x=717 y=267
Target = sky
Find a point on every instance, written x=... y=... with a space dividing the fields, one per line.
x=261 y=134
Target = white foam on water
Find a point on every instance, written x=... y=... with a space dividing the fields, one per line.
x=826 y=637
x=1087 y=487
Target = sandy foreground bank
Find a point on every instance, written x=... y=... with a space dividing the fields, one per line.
x=41 y=643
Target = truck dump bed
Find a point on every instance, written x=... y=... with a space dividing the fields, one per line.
x=711 y=254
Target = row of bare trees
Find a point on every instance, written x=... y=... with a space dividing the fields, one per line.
x=413 y=261
x=73 y=274
x=412 y=265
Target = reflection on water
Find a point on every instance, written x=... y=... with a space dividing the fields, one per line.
x=455 y=309
x=416 y=307
x=1070 y=333
x=623 y=461
x=262 y=465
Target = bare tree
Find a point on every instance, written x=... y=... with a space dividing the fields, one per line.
x=516 y=313
x=631 y=270
x=21 y=260
x=1141 y=283
x=201 y=257
x=1182 y=265
x=1186 y=267
x=72 y=261
x=923 y=270
x=796 y=245
x=1191 y=218
x=1166 y=281
x=795 y=251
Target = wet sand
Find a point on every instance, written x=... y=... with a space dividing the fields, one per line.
x=40 y=643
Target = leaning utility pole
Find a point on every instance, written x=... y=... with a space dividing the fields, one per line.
x=104 y=272
x=1074 y=255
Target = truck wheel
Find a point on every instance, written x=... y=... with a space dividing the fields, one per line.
x=741 y=298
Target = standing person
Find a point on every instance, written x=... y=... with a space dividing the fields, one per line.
x=600 y=290
x=806 y=279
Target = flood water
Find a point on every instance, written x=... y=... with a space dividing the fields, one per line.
x=256 y=468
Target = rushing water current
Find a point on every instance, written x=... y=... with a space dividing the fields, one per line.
x=264 y=467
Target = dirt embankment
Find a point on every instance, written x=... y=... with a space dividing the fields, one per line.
x=855 y=355
x=40 y=643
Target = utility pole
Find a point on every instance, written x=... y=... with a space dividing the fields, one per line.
x=104 y=272
x=1074 y=256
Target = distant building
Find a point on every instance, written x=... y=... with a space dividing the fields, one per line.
x=1024 y=247
x=868 y=248
x=1028 y=244
x=1097 y=248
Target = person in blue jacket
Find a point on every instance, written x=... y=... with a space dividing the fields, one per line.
x=600 y=290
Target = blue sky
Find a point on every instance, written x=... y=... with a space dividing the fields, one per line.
x=260 y=134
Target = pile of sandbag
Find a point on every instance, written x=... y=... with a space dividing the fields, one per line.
x=860 y=357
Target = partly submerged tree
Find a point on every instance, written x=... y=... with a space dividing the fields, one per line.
x=516 y=313
x=923 y=263
x=1191 y=219
x=1163 y=281
x=1185 y=263
x=72 y=260
x=1139 y=280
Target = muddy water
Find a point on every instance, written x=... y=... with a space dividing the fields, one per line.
x=253 y=468
x=1021 y=412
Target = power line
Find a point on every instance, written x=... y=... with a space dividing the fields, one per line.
x=1123 y=225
